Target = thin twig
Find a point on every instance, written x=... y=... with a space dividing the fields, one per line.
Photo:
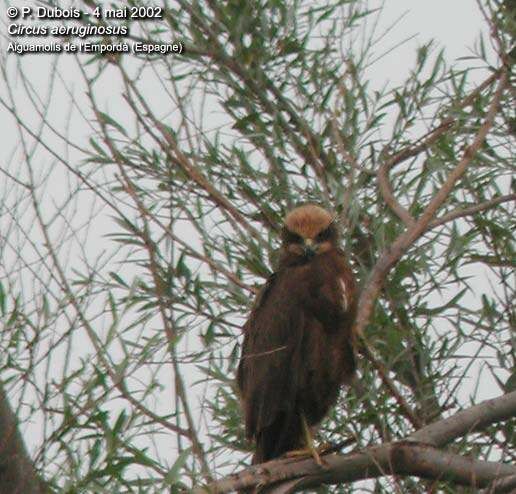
x=404 y=406
x=471 y=210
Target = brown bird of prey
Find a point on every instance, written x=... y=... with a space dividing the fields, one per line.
x=298 y=346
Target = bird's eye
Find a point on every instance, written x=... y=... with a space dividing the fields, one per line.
x=324 y=235
x=293 y=238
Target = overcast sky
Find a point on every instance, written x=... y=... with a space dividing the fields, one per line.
x=453 y=25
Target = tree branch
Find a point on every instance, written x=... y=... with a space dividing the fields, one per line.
x=470 y=210
x=385 y=187
x=411 y=457
x=418 y=147
x=405 y=459
x=505 y=484
x=404 y=241
x=427 y=140
x=472 y=419
x=149 y=246
x=17 y=473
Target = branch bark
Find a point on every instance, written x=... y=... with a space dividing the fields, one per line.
x=17 y=473
x=506 y=484
x=472 y=419
x=471 y=210
x=418 y=455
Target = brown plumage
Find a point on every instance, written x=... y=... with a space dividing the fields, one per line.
x=298 y=346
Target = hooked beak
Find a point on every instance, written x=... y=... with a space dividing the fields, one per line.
x=310 y=248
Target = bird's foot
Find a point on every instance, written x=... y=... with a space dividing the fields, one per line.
x=315 y=453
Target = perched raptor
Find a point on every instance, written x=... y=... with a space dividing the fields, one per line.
x=298 y=346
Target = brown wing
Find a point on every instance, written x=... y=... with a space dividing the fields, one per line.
x=268 y=374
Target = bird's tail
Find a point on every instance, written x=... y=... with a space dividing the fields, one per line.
x=284 y=434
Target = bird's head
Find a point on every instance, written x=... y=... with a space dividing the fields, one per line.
x=309 y=230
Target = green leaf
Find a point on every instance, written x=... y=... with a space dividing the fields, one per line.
x=172 y=475
x=108 y=120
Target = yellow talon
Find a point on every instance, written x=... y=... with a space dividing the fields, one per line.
x=310 y=449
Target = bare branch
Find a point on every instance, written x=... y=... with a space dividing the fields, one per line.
x=468 y=211
x=499 y=486
x=17 y=473
x=400 y=458
x=411 y=457
x=472 y=419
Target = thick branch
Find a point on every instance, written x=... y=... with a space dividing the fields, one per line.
x=505 y=484
x=472 y=419
x=17 y=473
x=401 y=458
x=409 y=457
